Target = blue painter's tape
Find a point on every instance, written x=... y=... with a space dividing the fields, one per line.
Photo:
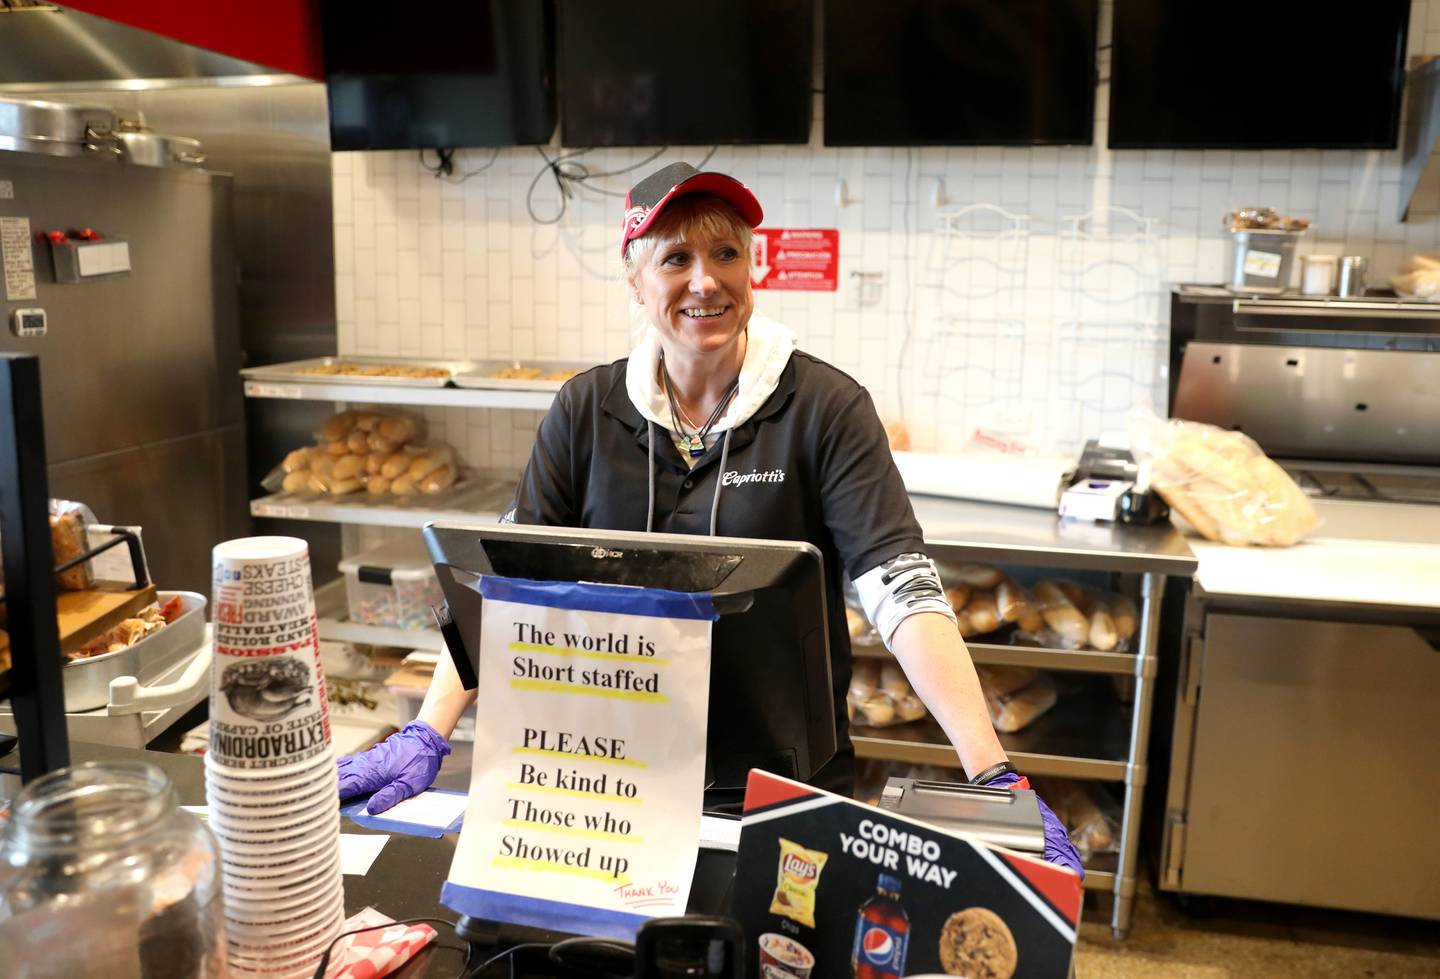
x=537 y=912
x=656 y=602
x=355 y=810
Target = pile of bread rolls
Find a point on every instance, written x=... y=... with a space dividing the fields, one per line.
x=1227 y=488
x=370 y=450
x=1076 y=617
x=984 y=599
x=1015 y=696
x=880 y=695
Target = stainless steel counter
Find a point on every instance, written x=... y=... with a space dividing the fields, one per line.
x=1012 y=534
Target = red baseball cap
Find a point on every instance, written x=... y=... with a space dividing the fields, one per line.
x=650 y=196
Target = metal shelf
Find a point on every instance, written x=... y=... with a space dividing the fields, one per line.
x=391 y=394
x=478 y=500
x=333 y=615
x=1067 y=660
x=1085 y=735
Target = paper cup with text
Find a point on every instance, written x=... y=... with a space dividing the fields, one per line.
x=268 y=708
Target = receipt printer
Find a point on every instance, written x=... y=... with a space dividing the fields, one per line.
x=1110 y=486
x=1003 y=817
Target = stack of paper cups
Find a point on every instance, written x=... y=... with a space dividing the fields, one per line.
x=270 y=771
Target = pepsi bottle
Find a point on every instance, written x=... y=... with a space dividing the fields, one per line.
x=882 y=933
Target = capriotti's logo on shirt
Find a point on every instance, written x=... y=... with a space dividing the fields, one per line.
x=736 y=478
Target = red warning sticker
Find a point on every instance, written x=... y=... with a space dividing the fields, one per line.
x=795 y=258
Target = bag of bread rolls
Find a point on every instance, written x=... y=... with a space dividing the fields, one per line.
x=1090 y=815
x=880 y=695
x=67 y=539
x=1015 y=711
x=434 y=457
x=1069 y=624
x=982 y=612
x=437 y=480
x=1223 y=484
x=1001 y=681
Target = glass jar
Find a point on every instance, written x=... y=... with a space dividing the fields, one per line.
x=102 y=874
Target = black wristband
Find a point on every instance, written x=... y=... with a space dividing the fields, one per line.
x=994 y=772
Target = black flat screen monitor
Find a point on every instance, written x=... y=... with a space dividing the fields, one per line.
x=959 y=72
x=1236 y=74
x=479 y=73
x=693 y=72
x=771 y=701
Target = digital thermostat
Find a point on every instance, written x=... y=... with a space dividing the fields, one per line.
x=28 y=322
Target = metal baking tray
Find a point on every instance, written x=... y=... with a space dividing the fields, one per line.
x=292 y=371
x=87 y=681
x=482 y=374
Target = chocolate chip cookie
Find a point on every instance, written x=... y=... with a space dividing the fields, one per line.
x=978 y=944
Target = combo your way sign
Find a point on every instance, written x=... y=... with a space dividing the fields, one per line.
x=589 y=768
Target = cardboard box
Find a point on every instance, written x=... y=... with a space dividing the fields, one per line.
x=829 y=887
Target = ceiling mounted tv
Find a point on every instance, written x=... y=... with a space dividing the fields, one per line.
x=694 y=72
x=1237 y=74
x=959 y=72
x=479 y=73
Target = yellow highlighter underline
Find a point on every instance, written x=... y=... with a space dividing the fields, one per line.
x=572 y=792
x=553 y=686
x=593 y=834
x=530 y=647
x=571 y=756
x=516 y=863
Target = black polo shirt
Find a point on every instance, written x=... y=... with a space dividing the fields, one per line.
x=813 y=464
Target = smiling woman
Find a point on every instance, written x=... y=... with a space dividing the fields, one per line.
x=717 y=424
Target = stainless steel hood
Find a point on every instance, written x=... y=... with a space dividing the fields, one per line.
x=45 y=47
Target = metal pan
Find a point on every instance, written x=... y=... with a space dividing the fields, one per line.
x=55 y=128
x=482 y=375
x=311 y=371
x=87 y=681
x=149 y=149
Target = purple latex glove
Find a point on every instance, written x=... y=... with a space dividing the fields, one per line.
x=402 y=765
x=1058 y=848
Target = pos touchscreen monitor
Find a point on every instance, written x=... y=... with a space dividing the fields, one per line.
x=772 y=705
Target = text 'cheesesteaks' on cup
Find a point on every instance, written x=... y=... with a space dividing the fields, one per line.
x=268 y=704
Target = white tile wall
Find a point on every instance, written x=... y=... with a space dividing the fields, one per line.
x=1046 y=322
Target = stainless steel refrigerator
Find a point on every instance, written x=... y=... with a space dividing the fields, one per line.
x=143 y=412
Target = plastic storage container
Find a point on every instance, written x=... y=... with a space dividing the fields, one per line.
x=393 y=586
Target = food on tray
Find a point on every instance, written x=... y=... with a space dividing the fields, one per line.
x=977 y=943
x=518 y=373
x=1225 y=486
x=374 y=370
x=130 y=631
x=1263 y=219
x=1014 y=711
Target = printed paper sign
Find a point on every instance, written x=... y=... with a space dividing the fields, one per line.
x=825 y=885
x=1264 y=265
x=795 y=258
x=15 y=256
x=585 y=796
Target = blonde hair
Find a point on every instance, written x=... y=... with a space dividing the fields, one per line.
x=707 y=214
